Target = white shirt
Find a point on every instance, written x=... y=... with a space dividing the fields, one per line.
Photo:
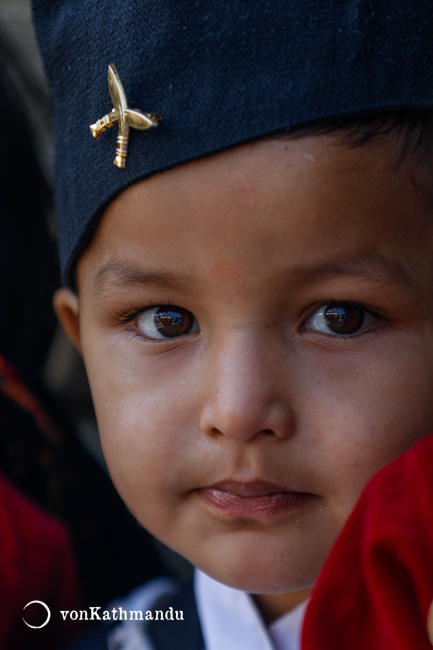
x=231 y=621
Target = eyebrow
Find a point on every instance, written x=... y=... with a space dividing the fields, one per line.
x=371 y=264
x=116 y=273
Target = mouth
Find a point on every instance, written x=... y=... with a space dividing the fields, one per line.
x=253 y=499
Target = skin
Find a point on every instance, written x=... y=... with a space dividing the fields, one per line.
x=256 y=240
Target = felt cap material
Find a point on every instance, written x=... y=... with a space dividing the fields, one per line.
x=220 y=74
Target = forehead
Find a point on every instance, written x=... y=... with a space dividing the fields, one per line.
x=266 y=203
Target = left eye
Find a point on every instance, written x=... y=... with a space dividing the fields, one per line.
x=166 y=322
x=340 y=319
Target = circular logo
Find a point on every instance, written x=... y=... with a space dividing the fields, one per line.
x=39 y=602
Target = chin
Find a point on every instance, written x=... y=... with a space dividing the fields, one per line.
x=256 y=579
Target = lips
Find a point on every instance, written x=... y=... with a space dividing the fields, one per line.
x=252 y=499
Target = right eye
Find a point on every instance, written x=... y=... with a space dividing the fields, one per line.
x=166 y=322
x=342 y=319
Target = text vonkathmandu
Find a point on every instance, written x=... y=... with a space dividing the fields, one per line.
x=120 y=614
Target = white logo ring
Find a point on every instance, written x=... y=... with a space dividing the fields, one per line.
x=39 y=602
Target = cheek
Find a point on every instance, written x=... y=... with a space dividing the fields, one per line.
x=147 y=427
x=139 y=428
x=142 y=451
x=369 y=411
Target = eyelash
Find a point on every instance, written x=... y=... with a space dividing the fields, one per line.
x=133 y=312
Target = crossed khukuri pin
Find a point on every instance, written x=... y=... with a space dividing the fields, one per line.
x=124 y=116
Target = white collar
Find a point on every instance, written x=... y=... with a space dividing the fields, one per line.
x=230 y=620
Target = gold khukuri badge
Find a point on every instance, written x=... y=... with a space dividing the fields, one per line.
x=122 y=115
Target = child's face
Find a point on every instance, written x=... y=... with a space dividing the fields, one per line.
x=294 y=355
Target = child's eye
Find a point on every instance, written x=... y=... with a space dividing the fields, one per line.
x=340 y=319
x=166 y=321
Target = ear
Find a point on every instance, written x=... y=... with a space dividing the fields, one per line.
x=66 y=307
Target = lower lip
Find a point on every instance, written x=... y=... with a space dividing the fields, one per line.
x=266 y=505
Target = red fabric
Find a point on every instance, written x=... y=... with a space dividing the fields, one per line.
x=14 y=388
x=35 y=564
x=377 y=585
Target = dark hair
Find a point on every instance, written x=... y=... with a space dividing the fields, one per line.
x=409 y=130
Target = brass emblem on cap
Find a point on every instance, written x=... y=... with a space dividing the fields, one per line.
x=430 y=623
x=124 y=116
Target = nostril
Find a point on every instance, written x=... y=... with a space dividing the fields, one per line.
x=264 y=421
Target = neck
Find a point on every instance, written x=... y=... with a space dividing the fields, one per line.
x=272 y=606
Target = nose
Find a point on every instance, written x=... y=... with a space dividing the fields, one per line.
x=246 y=391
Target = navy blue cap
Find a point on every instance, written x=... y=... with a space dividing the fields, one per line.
x=220 y=73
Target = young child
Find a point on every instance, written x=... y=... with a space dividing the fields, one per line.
x=249 y=284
